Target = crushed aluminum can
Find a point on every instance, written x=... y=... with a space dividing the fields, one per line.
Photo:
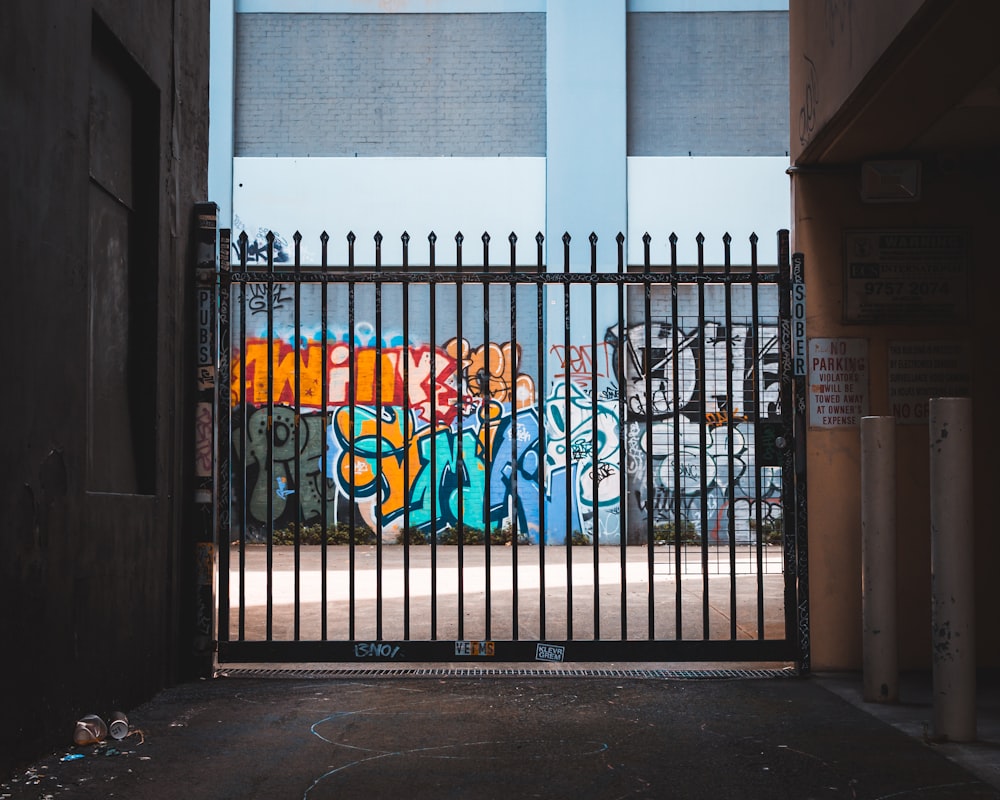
x=118 y=725
x=90 y=729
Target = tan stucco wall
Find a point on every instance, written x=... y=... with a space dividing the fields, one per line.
x=824 y=206
x=834 y=44
x=866 y=81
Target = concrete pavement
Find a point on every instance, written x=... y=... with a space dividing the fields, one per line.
x=529 y=733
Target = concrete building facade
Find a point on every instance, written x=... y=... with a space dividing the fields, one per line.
x=529 y=116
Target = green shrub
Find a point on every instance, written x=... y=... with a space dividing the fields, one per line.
x=470 y=535
x=664 y=533
x=337 y=533
x=772 y=529
x=412 y=536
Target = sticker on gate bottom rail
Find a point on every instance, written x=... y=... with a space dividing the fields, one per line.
x=549 y=652
x=475 y=648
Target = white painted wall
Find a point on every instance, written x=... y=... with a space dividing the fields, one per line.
x=712 y=196
x=393 y=195
x=500 y=195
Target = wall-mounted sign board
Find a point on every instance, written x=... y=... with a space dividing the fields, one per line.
x=838 y=382
x=906 y=276
x=919 y=371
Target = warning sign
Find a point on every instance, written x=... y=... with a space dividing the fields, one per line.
x=838 y=382
x=906 y=276
x=919 y=371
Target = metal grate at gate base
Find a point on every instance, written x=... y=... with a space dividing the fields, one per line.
x=445 y=672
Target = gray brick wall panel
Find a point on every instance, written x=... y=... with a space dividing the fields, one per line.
x=390 y=84
x=707 y=84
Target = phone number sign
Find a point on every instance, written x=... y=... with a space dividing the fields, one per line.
x=906 y=276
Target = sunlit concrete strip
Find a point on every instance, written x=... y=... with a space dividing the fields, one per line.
x=399 y=599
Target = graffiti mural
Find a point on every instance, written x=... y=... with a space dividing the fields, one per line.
x=281 y=466
x=407 y=436
x=702 y=413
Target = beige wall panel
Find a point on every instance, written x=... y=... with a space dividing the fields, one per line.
x=825 y=205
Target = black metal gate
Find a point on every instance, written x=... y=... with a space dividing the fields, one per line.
x=504 y=463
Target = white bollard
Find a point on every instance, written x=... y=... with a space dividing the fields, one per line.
x=880 y=659
x=952 y=560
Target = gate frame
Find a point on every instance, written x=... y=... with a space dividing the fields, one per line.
x=794 y=647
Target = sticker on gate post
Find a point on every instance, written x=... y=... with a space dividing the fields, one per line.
x=549 y=652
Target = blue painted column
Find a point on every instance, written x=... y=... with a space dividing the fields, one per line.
x=222 y=109
x=586 y=125
x=585 y=193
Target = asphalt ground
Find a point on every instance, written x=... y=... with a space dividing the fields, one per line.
x=573 y=734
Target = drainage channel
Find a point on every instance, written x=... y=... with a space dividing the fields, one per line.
x=452 y=672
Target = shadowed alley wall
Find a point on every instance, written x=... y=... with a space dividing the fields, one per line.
x=105 y=152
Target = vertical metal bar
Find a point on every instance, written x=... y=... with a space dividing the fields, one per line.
x=324 y=392
x=379 y=499
x=542 y=390
x=297 y=379
x=680 y=521
x=352 y=554
x=270 y=435
x=620 y=379
x=730 y=432
x=515 y=351
x=757 y=374
x=568 y=428
x=405 y=238
x=787 y=412
x=432 y=239
x=703 y=438
x=460 y=467
x=487 y=400
x=648 y=421
x=224 y=404
x=594 y=445
x=244 y=451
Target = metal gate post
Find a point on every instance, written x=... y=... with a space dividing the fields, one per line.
x=792 y=301
x=880 y=658
x=204 y=444
x=952 y=567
